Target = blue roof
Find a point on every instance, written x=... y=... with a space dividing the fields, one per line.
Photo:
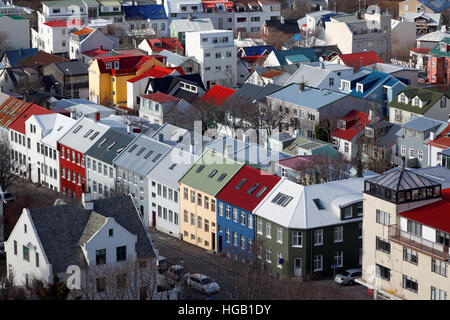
x=423 y=124
x=370 y=79
x=436 y=5
x=308 y=53
x=257 y=50
x=144 y=12
x=15 y=57
x=309 y=98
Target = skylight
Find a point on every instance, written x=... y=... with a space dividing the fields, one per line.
x=253 y=188
x=94 y=135
x=132 y=148
x=88 y=133
x=200 y=168
x=212 y=173
x=259 y=194
x=140 y=151
x=282 y=199
x=111 y=145
x=240 y=184
x=157 y=157
x=222 y=176
x=318 y=204
x=172 y=166
x=102 y=142
x=77 y=129
x=120 y=149
x=148 y=154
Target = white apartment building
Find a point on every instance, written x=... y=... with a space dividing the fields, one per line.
x=361 y=32
x=217 y=55
x=406 y=236
x=43 y=131
x=53 y=36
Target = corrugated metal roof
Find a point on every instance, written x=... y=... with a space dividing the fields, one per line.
x=110 y=145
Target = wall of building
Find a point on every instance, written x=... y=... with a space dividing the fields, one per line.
x=17 y=31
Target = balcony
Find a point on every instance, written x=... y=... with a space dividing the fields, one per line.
x=428 y=247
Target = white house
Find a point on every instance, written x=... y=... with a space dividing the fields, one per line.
x=43 y=131
x=17 y=30
x=93 y=236
x=91 y=41
x=188 y=64
x=215 y=51
x=438 y=145
x=53 y=36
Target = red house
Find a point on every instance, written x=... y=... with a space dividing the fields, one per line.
x=439 y=63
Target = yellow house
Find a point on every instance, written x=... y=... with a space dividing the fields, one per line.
x=199 y=187
x=108 y=77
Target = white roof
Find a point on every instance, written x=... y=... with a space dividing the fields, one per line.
x=54 y=126
x=301 y=212
x=186 y=25
x=433 y=18
x=174 y=58
x=435 y=36
x=313 y=74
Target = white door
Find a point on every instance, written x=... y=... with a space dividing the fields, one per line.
x=297 y=267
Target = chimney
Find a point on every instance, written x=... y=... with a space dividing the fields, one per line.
x=97 y=116
x=444 y=28
x=301 y=86
x=87 y=201
x=247 y=149
x=161 y=137
x=73 y=114
x=190 y=16
x=370 y=114
x=235 y=149
x=224 y=145
x=432 y=135
x=100 y=48
x=128 y=128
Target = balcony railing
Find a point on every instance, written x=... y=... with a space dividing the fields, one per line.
x=421 y=244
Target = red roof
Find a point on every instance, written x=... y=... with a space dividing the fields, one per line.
x=128 y=64
x=421 y=50
x=240 y=198
x=435 y=215
x=212 y=4
x=95 y=52
x=83 y=31
x=169 y=44
x=64 y=23
x=297 y=161
x=19 y=123
x=355 y=121
x=255 y=58
x=360 y=59
x=271 y=73
x=157 y=72
x=217 y=95
x=159 y=97
x=442 y=141
x=11 y=109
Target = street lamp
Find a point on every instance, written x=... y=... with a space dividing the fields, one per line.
x=71 y=83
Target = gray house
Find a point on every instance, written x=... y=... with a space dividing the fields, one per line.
x=132 y=168
x=412 y=141
x=100 y=172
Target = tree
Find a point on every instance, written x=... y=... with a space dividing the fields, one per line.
x=446 y=17
x=7 y=164
x=57 y=290
x=298 y=9
x=324 y=129
x=209 y=114
x=3 y=42
x=277 y=38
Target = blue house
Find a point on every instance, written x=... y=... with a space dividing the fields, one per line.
x=255 y=51
x=235 y=205
x=13 y=58
x=373 y=85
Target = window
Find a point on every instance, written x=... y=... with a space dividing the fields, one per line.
x=206 y=203
x=269 y=255
x=410 y=255
x=268 y=230
x=410 y=284
x=121 y=253
x=26 y=253
x=186 y=216
x=279 y=234
x=250 y=221
x=186 y=194
x=438 y=294
x=259 y=226
x=318 y=237
x=220 y=208
x=100 y=284
x=199 y=199
x=235 y=239
x=192 y=219
x=206 y=225
x=297 y=239
x=242 y=242
x=339 y=234
x=383 y=245
x=339 y=258
x=228 y=212
x=360 y=230
x=235 y=214
x=442 y=238
x=318 y=263
x=15 y=247
x=192 y=196
x=100 y=256
x=383 y=217
x=199 y=222
x=227 y=235
x=383 y=272
x=242 y=216
x=414 y=227
x=439 y=267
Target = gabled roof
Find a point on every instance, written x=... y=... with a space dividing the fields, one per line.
x=217 y=95
x=60 y=229
x=83 y=31
x=436 y=50
x=54 y=126
x=360 y=59
x=186 y=25
x=110 y=145
x=16 y=57
x=127 y=63
x=402 y=180
x=435 y=36
x=144 y=12
x=95 y=52
x=159 y=97
x=43 y=59
x=170 y=86
x=169 y=44
x=142 y=155
x=157 y=72
x=289 y=26
x=442 y=140
x=295 y=162
x=74 y=67
x=356 y=121
x=19 y=123
x=254 y=92
x=257 y=50
x=435 y=215
x=10 y=109
x=204 y=175
x=241 y=197
x=428 y=97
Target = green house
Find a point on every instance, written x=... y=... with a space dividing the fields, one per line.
x=310 y=231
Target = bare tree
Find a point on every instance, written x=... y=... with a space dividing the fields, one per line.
x=277 y=38
x=320 y=169
x=3 y=41
x=298 y=9
x=209 y=114
x=7 y=164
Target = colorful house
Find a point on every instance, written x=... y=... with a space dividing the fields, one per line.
x=108 y=77
x=439 y=63
x=199 y=187
x=235 y=205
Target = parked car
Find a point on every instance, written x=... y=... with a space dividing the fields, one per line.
x=177 y=273
x=203 y=283
x=348 y=276
x=7 y=197
x=161 y=264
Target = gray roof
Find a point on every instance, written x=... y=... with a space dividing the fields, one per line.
x=60 y=228
x=256 y=92
x=389 y=131
x=141 y=155
x=75 y=68
x=438 y=174
x=173 y=136
x=95 y=222
x=402 y=180
x=106 y=148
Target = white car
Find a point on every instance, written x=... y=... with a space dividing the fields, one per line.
x=177 y=273
x=348 y=276
x=203 y=283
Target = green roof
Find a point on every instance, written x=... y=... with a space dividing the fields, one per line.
x=436 y=50
x=428 y=95
x=13 y=17
x=199 y=175
x=302 y=143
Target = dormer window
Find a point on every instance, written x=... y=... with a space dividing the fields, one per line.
x=443 y=102
x=402 y=98
x=359 y=88
x=443 y=47
x=108 y=65
x=416 y=102
x=345 y=85
x=116 y=65
x=341 y=124
x=369 y=132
